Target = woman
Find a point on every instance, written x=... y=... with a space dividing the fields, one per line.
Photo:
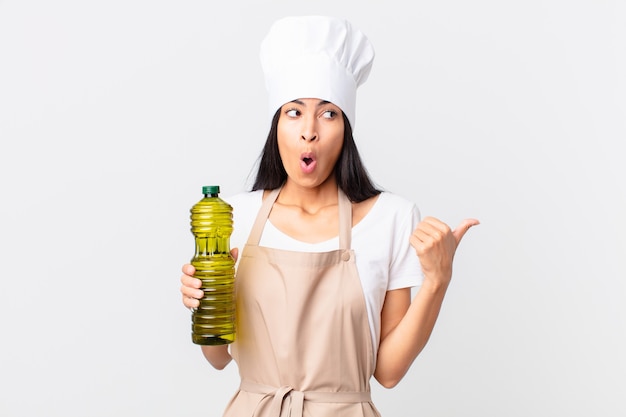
x=324 y=279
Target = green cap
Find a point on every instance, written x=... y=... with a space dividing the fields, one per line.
x=211 y=189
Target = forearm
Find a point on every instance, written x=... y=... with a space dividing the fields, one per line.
x=218 y=356
x=399 y=348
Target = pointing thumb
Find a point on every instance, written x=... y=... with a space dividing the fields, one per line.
x=463 y=227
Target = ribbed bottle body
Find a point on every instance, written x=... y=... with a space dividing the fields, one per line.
x=213 y=322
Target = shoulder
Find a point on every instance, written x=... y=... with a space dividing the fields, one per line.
x=245 y=208
x=384 y=205
x=245 y=204
x=389 y=203
x=243 y=200
x=389 y=213
x=395 y=200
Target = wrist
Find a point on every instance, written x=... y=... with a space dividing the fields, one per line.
x=435 y=286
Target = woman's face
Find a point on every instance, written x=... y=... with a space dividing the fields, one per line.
x=310 y=138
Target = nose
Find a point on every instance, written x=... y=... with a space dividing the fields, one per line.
x=309 y=138
x=309 y=129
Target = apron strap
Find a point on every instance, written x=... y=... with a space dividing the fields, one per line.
x=345 y=219
x=288 y=397
x=257 y=229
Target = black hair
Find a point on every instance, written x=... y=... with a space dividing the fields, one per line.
x=350 y=173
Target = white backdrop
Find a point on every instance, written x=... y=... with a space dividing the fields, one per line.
x=114 y=113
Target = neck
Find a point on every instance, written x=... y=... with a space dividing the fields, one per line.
x=309 y=199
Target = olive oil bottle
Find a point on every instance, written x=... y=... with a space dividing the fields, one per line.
x=213 y=322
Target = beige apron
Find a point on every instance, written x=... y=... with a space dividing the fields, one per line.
x=303 y=344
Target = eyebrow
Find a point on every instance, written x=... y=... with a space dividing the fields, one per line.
x=321 y=103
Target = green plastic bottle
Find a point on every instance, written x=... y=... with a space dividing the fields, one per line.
x=213 y=322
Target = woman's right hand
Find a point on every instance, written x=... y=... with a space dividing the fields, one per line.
x=190 y=287
x=217 y=355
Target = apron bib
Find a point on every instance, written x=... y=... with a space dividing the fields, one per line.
x=303 y=346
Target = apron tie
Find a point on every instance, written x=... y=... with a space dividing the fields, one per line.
x=295 y=405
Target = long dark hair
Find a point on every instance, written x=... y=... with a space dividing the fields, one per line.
x=350 y=173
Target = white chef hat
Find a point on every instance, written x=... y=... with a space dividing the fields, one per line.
x=315 y=57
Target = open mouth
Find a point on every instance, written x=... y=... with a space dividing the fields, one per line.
x=308 y=162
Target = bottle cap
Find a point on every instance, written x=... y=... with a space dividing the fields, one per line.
x=211 y=189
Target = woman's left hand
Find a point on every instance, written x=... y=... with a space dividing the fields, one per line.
x=435 y=244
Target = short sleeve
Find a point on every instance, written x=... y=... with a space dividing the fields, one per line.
x=405 y=269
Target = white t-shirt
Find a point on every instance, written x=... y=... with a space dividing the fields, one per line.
x=385 y=259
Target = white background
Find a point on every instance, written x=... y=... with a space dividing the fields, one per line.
x=114 y=113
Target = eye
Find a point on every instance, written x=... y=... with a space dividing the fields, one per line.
x=329 y=114
x=292 y=112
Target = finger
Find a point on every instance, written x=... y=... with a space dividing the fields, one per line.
x=191 y=302
x=431 y=229
x=424 y=237
x=191 y=287
x=191 y=282
x=463 y=227
x=189 y=269
x=435 y=223
x=191 y=292
x=234 y=253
